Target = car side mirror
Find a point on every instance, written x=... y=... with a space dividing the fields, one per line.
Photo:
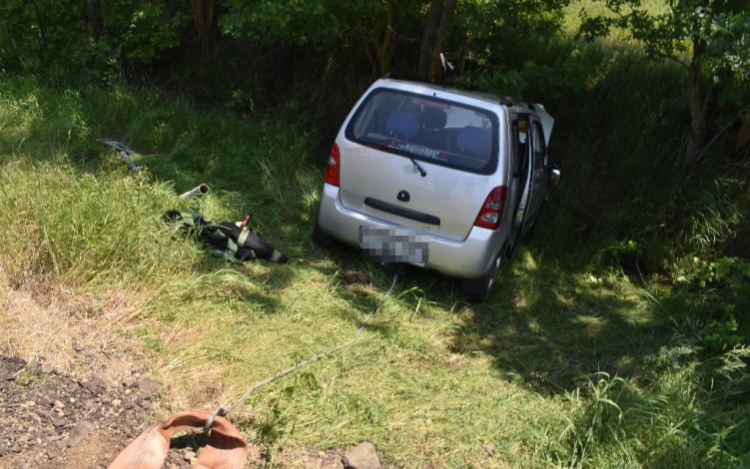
x=554 y=175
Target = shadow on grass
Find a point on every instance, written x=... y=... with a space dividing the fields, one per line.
x=549 y=327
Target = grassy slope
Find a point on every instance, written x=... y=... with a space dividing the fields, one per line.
x=433 y=380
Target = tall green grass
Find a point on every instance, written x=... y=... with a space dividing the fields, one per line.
x=85 y=228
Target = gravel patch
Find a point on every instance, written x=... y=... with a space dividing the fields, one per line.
x=53 y=420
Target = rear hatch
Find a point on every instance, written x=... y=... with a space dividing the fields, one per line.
x=419 y=161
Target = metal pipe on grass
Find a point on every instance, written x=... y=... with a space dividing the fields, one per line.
x=202 y=189
x=124 y=152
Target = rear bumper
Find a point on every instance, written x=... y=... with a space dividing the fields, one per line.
x=468 y=258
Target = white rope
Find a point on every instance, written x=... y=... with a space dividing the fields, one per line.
x=223 y=410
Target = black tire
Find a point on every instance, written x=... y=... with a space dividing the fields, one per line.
x=323 y=239
x=478 y=290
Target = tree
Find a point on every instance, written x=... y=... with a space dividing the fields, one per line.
x=709 y=38
x=373 y=27
x=439 y=13
x=204 y=16
x=36 y=35
x=281 y=21
x=78 y=41
x=379 y=27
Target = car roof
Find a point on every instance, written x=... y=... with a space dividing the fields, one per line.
x=488 y=97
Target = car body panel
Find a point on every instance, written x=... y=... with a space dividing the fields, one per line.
x=369 y=173
x=469 y=258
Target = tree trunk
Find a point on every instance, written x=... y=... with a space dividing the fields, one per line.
x=449 y=8
x=698 y=108
x=385 y=48
x=96 y=23
x=697 y=119
x=203 y=15
x=743 y=137
x=429 y=38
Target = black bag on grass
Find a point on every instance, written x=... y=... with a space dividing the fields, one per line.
x=235 y=241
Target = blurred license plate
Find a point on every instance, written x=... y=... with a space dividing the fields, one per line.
x=389 y=245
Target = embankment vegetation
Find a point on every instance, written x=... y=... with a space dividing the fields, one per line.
x=618 y=336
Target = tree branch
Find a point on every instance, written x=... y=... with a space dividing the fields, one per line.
x=720 y=133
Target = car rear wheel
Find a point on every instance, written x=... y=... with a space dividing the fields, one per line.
x=323 y=239
x=478 y=290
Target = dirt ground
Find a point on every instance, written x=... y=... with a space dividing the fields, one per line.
x=50 y=419
x=73 y=393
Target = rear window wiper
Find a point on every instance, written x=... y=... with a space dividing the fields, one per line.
x=380 y=145
x=419 y=168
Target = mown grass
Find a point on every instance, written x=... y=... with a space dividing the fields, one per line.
x=571 y=364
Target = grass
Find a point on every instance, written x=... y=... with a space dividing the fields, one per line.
x=571 y=364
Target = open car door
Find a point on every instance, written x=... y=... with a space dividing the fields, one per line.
x=522 y=168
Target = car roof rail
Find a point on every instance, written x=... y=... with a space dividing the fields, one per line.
x=504 y=100
x=405 y=77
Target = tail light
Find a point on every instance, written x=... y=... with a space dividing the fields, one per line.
x=492 y=209
x=332 y=173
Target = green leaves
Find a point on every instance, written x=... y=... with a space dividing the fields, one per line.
x=72 y=42
x=721 y=335
x=287 y=21
x=149 y=28
x=730 y=270
x=731 y=41
x=35 y=36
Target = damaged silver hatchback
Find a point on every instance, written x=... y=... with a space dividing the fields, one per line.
x=436 y=177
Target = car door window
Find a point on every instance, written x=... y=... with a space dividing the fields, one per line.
x=539 y=147
x=522 y=139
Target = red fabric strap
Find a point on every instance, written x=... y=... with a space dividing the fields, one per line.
x=226 y=448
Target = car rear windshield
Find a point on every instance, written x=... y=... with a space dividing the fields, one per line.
x=428 y=129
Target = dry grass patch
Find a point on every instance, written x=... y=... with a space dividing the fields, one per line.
x=46 y=322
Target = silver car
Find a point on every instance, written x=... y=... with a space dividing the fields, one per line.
x=436 y=177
